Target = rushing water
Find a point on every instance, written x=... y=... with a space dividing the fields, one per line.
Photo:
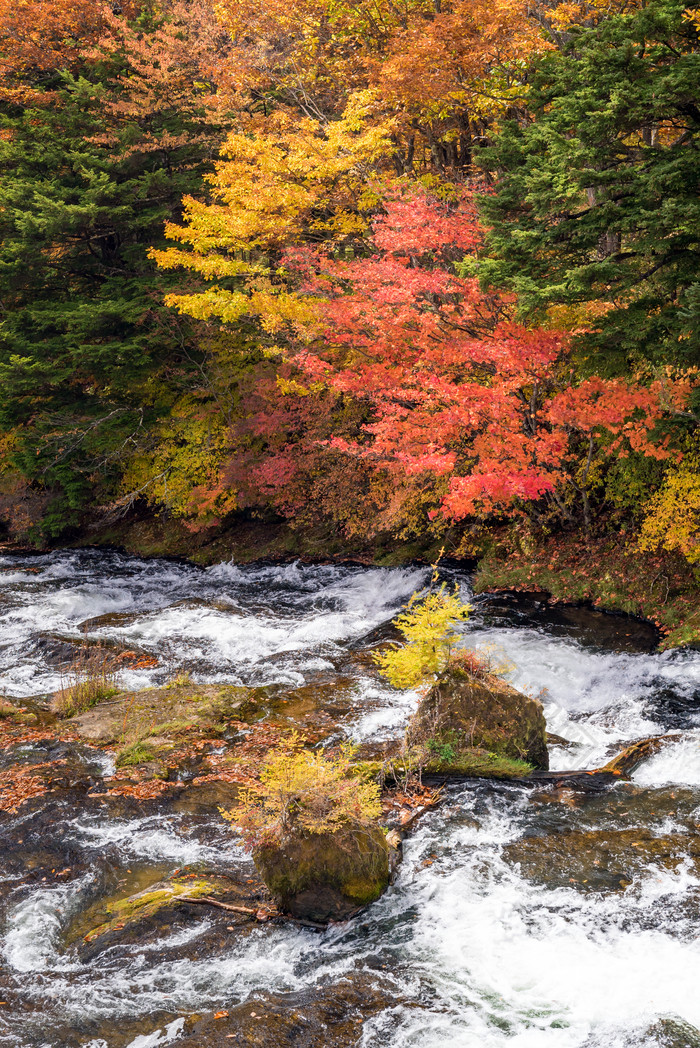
x=498 y=931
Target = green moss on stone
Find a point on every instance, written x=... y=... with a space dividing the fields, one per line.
x=117 y=914
x=326 y=876
x=478 y=764
x=463 y=713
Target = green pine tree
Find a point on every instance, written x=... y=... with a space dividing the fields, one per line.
x=90 y=357
x=597 y=199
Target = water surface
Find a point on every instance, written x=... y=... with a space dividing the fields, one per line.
x=475 y=945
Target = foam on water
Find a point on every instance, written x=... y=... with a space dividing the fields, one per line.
x=34 y=927
x=597 y=700
x=225 y=620
x=481 y=957
x=502 y=961
x=130 y=984
x=159 y=1037
x=158 y=838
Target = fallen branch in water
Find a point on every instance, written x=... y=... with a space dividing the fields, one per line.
x=625 y=762
x=258 y=915
x=220 y=905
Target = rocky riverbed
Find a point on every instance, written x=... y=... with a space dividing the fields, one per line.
x=525 y=915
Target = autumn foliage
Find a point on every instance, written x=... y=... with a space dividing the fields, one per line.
x=399 y=268
x=458 y=387
x=304 y=791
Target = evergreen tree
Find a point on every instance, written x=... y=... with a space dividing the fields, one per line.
x=89 y=354
x=597 y=199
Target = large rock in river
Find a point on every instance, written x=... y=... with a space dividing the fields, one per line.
x=464 y=713
x=326 y=876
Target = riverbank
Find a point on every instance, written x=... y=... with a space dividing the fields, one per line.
x=607 y=572
x=245 y=540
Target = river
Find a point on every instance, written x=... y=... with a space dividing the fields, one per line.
x=520 y=917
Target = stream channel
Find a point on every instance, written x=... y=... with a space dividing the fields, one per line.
x=533 y=917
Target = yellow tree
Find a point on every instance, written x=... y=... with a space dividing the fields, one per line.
x=294 y=180
x=443 y=68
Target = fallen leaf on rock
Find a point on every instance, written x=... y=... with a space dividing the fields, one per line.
x=220 y=1015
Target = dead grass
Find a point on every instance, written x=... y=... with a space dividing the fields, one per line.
x=91 y=677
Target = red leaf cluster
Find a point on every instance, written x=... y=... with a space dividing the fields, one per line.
x=458 y=387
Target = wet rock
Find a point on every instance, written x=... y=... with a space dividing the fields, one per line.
x=128 y=918
x=596 y=629
x=599 y=860
x=673 y=1033
x=331 y=1016
x=156 y=717
x=463 y=713
x=63 y=651
x=326 y=876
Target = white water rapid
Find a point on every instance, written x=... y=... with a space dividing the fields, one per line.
x=520 y=918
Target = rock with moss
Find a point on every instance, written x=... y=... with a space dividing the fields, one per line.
x=326 y=876
x=146 y=725
x=466 y=716
x=133 y=916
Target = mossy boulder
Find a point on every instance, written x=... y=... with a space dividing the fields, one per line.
x=464 y=714
x=326 y=876
x=126 y=917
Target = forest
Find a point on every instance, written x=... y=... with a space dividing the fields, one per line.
x=424 y=271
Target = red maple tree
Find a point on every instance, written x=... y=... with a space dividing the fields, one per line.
x=458 y=387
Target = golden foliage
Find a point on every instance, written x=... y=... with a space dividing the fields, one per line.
x=429 y=628
x=293 y=180
x=303 y=791
x=673 y=517
x=182 y=471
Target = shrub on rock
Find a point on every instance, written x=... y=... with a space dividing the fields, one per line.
x=311 y=826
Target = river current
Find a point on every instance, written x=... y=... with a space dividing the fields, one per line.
x=520 y=917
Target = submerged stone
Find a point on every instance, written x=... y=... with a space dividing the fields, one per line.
x=599 y=860
x=326 y=876
x=673 y=1033
x=464 y=716
x=326 y=1016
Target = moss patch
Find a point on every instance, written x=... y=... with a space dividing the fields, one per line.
x=118 y=913
x=477 y=764
x=147 y=725
x=137 y=753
